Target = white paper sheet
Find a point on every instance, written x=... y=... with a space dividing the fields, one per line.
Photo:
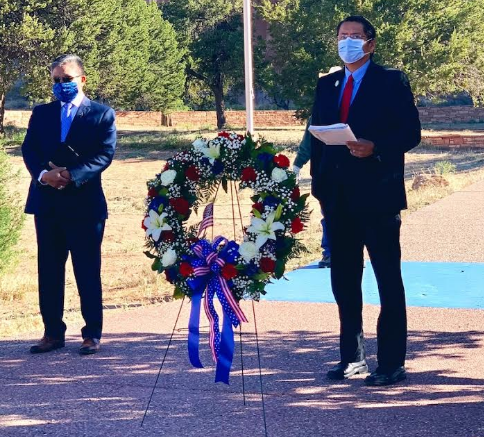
x=334 y=134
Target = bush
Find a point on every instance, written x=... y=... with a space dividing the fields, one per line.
x=444 y=168
x=11 y=214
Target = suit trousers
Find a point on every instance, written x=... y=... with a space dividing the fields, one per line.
x=82 y=238
x=380 y=233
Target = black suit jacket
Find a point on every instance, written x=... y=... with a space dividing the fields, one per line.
x=92 y=142
x=384 y=112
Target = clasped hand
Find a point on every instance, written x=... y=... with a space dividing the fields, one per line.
x=58 y=177
x=361 y=148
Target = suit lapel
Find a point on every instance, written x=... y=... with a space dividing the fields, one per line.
x=56 y=121
x=84 y=108
x=334 y=96
x=364 y=94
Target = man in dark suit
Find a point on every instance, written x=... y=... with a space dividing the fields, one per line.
x=361 y=187
x=69 y=143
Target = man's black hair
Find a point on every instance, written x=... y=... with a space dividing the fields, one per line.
x=368 y=28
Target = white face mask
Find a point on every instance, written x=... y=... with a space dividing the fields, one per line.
x=351 y=50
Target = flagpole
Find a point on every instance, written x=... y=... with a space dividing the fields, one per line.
x=249 y=82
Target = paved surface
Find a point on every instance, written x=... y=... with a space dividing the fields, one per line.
x=63 y=394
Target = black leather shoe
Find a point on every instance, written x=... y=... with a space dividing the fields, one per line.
x=380 y=377
x=90 y=346
x=346 y=370
x=47 y=344
x=325 y=262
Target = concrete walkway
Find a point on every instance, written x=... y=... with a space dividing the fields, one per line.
x=63 y=394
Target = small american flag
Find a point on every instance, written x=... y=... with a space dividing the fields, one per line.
x=207 y=219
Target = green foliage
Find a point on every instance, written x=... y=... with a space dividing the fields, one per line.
x=444 y=168
x=131 y=54
x=212 y=33
x=440 y=44
x=11 y=215
x=25 y=42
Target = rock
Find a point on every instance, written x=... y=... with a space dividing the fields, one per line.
x=429 y=180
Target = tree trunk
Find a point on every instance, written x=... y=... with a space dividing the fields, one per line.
x=2 y=111
x=218 y=91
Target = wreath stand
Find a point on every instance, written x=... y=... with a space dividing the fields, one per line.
x=232 y=190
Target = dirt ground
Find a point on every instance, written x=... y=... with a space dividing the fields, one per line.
x=127 y=277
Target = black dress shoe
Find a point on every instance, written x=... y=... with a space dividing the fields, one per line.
x=381 y=377
x=90 y=346
x=346 y=370
x=325 y=262
x=47 y=344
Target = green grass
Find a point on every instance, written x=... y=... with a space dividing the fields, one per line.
x=13 y=137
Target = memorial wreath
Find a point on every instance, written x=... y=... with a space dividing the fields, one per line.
x=201 y=268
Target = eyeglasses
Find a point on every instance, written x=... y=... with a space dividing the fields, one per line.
x=65 y=79
x=344 y=36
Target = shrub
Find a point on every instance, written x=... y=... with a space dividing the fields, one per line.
x=11 y=214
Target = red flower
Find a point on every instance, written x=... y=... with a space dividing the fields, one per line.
x=166 y=167
x=240 y=137
x=248 y=174
x=152 y=192
x=258 y=206
x=229 y=271
x=297 y=225
x=296 y=194
x=192 y=173
x=267 y=265
x=143 y=224
x=281 y=161
x=168 y=236
x=224 y=134
x=180 y=205
x=186 y=269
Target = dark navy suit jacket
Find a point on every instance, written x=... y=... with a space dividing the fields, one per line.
x=92 y=136
x=383 y=111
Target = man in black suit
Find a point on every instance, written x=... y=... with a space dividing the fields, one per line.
x=361 y=187
x=69 y=142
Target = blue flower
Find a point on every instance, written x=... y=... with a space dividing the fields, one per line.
x=271 y=201
x=157 y=201
x=265 y=160
x=251 y=269
x=217 y=167
x=171 y=274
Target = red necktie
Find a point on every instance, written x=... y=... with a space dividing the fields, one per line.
x=346 y=100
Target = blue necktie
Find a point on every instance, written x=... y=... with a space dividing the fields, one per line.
x=66 y=120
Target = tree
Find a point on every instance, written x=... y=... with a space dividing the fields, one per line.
x=438 y=43
x=130 y=52
x=212 y=32
x=25 y=42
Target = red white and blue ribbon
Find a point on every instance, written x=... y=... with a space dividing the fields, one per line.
x=207 y=265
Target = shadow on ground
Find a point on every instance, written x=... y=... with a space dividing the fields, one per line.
x=64 y=394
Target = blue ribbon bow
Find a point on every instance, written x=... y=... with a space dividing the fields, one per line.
x=207 y=265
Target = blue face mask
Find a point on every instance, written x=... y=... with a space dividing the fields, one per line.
x=351 y=50
x=65 y=92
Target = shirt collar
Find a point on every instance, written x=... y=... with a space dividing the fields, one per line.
x=358 y=74
x=77 y=100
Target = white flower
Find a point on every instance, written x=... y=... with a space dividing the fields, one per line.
x=155 y=224
x=248 y=250
x=265 y=228
x=167 y=177
x=168 y=258
x=212 y=152
x=199 y=144
x=278 y=175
